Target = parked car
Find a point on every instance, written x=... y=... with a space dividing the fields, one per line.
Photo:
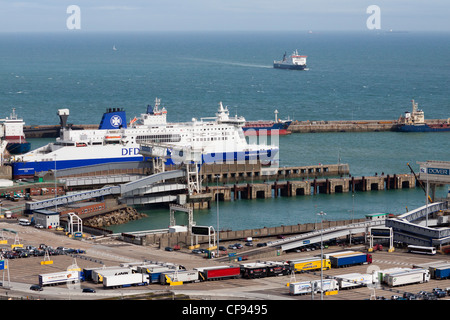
x=262 y=244
x=222 y=248
x=232 y=246
x=280 y=236
x=197 y=251
x=249 y=244
x=438 y=292
x=89 y=290
x=238 y=245
x=36 y=287
x=38 y=226
x=168 y=249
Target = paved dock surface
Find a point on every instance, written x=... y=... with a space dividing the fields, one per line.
x=24 y=272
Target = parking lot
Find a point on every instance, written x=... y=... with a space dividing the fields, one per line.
x=110 y=252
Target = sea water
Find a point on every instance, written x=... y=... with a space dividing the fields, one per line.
x=351 y=76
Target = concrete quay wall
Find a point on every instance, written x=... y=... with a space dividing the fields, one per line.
x=184 y=238
x=349 y=125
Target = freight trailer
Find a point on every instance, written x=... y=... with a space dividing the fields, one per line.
x=304 y=287
x=382 y=273
x=307 y=264
x=59 y=278
x=253 y=270
x=125 y=280
x=353 y=280
x=440 y=272
x=407 y=277
x=99 y=275
x=346 y=260
x=179 y=276
x=218 y=272
x=276 y=268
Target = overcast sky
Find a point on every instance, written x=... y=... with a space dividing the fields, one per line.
x=223 y=15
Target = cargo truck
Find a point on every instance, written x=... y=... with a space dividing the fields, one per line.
x=441 y=272
x=276 y=268
x=407 y=277
x=353 y=280
x=179 y=276
x=253 y=270
x=304 y=287
x=218 y=272
x=125 y=280
x=347 y=260
x=307 y=264
x=382 y=273
x=99 y=274
x=59 y=278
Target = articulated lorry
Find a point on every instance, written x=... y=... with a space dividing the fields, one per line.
x=407 y=277
x=350 y=259
x=125 y=280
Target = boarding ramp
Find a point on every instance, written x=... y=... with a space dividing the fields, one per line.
x=407 y=231
x=325 y=234
x=123 y=189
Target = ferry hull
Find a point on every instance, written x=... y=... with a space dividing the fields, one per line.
x=30 y=169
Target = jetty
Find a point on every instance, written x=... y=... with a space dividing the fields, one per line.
x=307 y=126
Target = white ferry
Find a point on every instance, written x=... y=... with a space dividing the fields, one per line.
x=220 y=139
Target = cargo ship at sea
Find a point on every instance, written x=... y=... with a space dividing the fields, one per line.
x=11 y=131
x=414 y=121
x=220 y=139
x=293 y=62
x=267 y=127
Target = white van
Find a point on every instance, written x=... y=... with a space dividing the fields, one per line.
x=24 y=222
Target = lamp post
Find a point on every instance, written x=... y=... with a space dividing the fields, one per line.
x=217 y=199
x=321 y=213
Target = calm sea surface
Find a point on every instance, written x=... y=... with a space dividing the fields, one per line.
x=355 y=76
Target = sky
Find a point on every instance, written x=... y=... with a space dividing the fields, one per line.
x=222 y=15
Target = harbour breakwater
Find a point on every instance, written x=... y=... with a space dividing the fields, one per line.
x=52 y=131
x=349 y=126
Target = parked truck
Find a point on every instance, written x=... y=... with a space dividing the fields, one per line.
x=218 y=272
x=253 y=270
x=307 y=264
x=407 y=277
x=60 y=278
x=346 y=260
x=277 y=268
x=179 y=276
x=125 y=280
x=99 y=274
x=353 y=280
x=440 y=272
x=304 y=287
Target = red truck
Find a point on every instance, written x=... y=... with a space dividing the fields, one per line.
x=218 y=273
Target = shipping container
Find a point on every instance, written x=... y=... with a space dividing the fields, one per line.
x=407 y=277
x=125 y=280
x=218 y=272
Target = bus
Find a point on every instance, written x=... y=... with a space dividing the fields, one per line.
x=422 y=250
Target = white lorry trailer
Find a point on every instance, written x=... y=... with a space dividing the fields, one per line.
x=304 y=287
x=352 y=280
x=407 y=277
x=125 y=280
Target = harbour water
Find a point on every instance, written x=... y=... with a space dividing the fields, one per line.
x=351 y=76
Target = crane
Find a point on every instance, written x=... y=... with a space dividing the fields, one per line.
x=420 y=182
